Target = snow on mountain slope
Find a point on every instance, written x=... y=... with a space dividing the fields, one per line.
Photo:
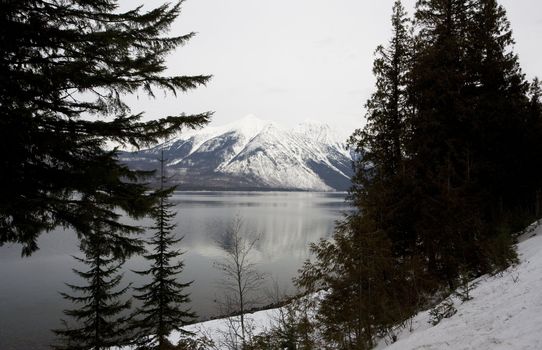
x=253 y=153
x=285 y=159
x=245 y=128
x=504 y=314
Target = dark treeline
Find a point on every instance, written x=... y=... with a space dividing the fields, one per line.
x=448 y=170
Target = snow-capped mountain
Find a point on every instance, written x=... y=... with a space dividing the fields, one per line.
x=253 y=154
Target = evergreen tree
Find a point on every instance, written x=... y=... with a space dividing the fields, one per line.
x=437 y=147
x=367 y=289
x=447 y=170
x=61 y=62
x=438 y=79
x=163 y=298
x=535 y=101
x=535 y=121
x=501 y=100
x=98 y=321
x=380 y=189
x=469 y=153
x=501 y=159
x=382 y=139
x=366 y=293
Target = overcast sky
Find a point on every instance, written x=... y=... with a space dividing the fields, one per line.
x=293 y=60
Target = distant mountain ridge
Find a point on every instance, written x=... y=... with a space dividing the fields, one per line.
x=253 y=154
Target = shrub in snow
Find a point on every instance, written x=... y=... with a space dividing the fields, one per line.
x=444 y=310
x=466 y=287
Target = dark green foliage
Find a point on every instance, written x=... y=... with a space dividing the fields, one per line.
x=98 y=322
x=163 y=299
x=532 y=141
x=64 y=69
x=382 y=140
x=290 y=328
x=380 y=174
x=366 y=293
x=466 y=163
x=194 y=343
x=448 y=171
x=470 y=156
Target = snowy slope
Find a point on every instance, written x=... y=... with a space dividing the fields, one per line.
x=253 y=153
x=504 y=314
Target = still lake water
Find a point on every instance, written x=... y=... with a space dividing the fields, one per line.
x=286 y=223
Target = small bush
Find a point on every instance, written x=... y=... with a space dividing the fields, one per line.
x=446 y=309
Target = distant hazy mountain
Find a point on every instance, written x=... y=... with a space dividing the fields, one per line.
x=253 y=154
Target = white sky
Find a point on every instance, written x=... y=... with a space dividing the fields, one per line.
x=293 y=60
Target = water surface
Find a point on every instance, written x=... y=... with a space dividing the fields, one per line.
x=285 y=222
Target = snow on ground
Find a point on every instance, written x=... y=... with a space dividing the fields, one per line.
x=504 y=314
x=220 y=331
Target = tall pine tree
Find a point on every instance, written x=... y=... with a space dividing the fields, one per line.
x=382 y=139
x=535 y=122
x=445 y=216
x=469 y=153
x=367 y=290
x=500 y=101
x=65 y=67
x=379 y=186
x=164 y=298
x=99 y=320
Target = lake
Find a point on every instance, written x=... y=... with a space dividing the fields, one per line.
x=285 y=222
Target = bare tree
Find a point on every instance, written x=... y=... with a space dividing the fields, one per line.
x=241 y=280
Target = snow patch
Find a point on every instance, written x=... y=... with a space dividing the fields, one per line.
x=504 y=314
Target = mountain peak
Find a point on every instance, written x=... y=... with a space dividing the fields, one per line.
x=252 y=153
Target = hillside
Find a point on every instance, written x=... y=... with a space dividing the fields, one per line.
x=253 y=154
x=505 y=312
